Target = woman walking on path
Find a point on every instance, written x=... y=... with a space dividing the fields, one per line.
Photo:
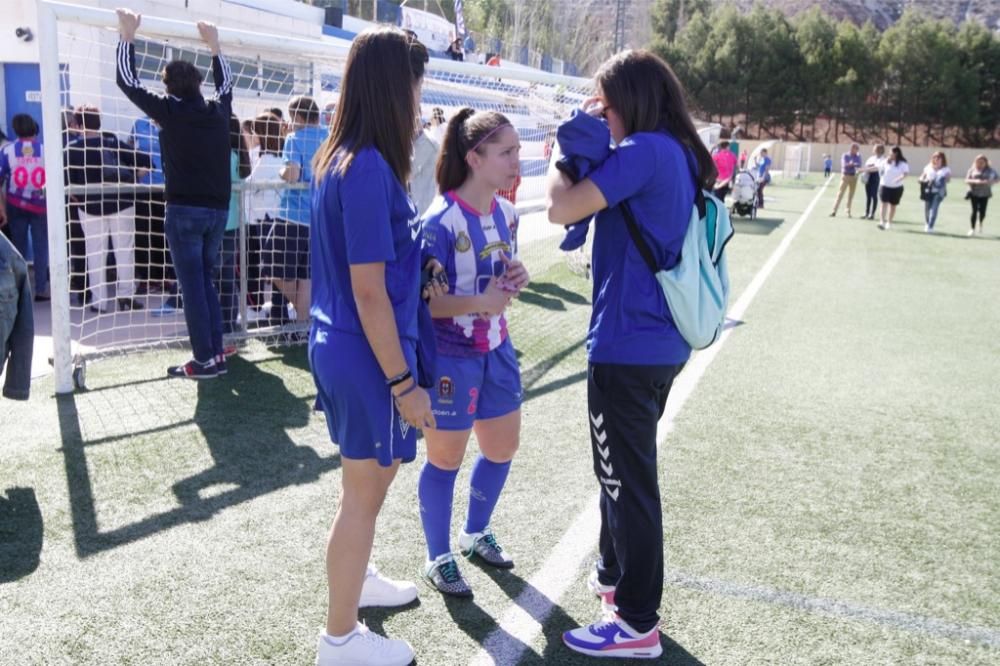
x=869 y=176
x=981 y=177
x=934 y=177
x=891 y=174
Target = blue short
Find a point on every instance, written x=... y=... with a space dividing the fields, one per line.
x=481 y=387
x=351 y=391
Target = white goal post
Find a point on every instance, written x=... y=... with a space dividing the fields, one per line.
x=77 y=66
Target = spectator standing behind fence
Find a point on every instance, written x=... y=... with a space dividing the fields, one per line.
x=150 y=243
x=98 y=158
x=891 y=174
x=288 y=240
x=980 y=178
x=850 y=162
x=869 y=176
x=934 y=189
x=194 y=140
x=239 y=169
x=263 y=200
x=22 y=197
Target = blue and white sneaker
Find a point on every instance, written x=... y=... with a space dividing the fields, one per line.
x=444 y=575
x=485 y=545
x=614 y=638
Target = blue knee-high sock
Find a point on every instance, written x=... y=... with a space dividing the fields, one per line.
x=435 y=490
x=487 y=481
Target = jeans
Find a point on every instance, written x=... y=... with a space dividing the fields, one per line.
x=228 y=284
x=931 y=210
x=625 y=404
x=21 y=222
x=194 y=235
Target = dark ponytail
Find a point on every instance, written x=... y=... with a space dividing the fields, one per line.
x=467 y=130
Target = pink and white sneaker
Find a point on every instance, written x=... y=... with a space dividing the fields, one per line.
x=614 y=638
x=606 y=593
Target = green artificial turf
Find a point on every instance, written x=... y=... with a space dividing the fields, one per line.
x=829 y=489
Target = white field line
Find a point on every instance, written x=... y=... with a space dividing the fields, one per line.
x=524 y=618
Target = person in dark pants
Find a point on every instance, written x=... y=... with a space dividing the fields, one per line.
x=870 y=176
x=194 y=140
x=634 y=347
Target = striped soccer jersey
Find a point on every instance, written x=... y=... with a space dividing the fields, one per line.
x=469 y=244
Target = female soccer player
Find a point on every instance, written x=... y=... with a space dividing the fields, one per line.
x=365 y=257
x=634 y=347
x=472 y=233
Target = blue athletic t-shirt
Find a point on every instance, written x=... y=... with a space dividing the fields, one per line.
x=631 y=323
x=300 y=147
x=361 y=217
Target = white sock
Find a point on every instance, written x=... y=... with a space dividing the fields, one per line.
x=339 y=640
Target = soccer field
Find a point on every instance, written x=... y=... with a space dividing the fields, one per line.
x=829 y=486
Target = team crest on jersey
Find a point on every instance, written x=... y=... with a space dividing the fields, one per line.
x=446 y=390
x=27 y=150
x=463 y=243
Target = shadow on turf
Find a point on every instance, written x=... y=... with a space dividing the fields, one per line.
x=479 y=625
x=20 y=534
x=945 y=234
x=762 y=226
x=244 y=419
x=550 y=296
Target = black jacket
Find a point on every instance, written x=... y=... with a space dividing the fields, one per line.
x=194 y=134
x=17 y=323
x=95 y=159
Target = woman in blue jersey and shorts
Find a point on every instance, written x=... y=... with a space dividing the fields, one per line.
x=365 y=255
x=635 y=350
x=471 y=233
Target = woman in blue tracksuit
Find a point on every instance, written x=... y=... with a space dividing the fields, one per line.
x=635 y=350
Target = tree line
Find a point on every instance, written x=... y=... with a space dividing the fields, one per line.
x=921 y=82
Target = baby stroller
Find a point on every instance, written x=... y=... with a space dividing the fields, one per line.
x=744 y=195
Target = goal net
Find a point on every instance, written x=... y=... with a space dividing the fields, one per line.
x=114 y=287
x=797 y=156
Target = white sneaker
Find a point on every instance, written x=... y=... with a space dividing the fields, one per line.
x=362 y=648
x=378 y=590
x=972 y=232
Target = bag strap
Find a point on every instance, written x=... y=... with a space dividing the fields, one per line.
x=633 y=226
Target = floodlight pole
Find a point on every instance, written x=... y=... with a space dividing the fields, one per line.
x=620 y=25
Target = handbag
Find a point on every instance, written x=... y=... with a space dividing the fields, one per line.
x=926 y=193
